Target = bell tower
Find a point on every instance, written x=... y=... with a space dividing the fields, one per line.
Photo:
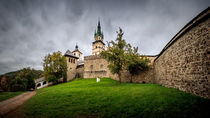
x=98 y=45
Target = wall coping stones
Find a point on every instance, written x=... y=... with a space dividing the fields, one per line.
x=195 y=21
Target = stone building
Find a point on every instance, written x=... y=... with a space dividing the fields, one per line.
x=71 y=64
x=98 y=44
x=94 y=65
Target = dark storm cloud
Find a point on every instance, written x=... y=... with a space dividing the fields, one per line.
x=30 y=29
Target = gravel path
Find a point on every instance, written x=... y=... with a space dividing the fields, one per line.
x=13 y=103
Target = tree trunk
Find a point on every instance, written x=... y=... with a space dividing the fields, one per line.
x=131 y=79
x=119 y=75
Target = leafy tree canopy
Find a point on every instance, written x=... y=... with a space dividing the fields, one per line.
x=55 y=67
x=122 y=55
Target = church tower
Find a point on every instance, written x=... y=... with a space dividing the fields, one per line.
x=98 y=45
x=77 y=53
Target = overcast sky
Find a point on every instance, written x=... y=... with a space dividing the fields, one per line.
x=30 y=29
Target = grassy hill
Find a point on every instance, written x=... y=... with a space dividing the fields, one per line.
x=13 y=74
x=86 y=98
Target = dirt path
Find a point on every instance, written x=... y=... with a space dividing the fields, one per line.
x=13 y=103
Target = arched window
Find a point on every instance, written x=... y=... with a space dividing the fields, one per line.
x=39 y=84
x=91 y=67
x=44 y=82
x=101 y=66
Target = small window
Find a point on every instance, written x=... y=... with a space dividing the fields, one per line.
x=96 y=46
x=39 y=84
x=101 y=66
x=74 y=54
x=44 y=82
x=69 y=60
x=91 y=66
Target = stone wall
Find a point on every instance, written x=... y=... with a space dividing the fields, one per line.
x=80 y=71
x=96 y=71
x=71 y=68
x=94 y=66
x=184 y=63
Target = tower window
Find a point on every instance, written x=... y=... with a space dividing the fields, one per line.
x=91 y=67
x=101 y=66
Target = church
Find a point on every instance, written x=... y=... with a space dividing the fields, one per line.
x=92 y=66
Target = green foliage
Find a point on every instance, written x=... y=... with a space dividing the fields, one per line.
x=122 y=55
x=12 y=79
x=135 y=63
x=4 y=85
x=109 y=99
x=24 y=80
x=115 y=54
x=55 y=67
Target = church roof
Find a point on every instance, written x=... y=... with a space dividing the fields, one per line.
x=76 y=49
x=70 y=54
x=99 y=32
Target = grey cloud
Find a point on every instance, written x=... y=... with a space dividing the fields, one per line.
x=30 y=29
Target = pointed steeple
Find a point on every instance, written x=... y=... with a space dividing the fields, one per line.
x=99 y=27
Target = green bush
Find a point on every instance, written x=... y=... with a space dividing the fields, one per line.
x=18 y=87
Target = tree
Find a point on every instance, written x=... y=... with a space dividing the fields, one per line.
x=55 y=67
x=115 y=54
x=24 y=80
x=136 y=64
x=4 y=85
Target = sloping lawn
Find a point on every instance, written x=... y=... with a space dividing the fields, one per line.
x=7 y=95
x=86 y=98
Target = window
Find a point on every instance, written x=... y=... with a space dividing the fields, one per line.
x=91 y=67
x=96 y=46
x=74 y=54
x=44 y=82
x=39 y=84
x=101 y=66
x=69 y=60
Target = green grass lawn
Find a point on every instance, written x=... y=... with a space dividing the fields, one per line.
x=86 y=98
x=7 y=95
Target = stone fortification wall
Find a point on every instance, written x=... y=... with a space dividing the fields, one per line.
x=184 y=63
x=95 y=66
x=80 y=71
x=97 y=71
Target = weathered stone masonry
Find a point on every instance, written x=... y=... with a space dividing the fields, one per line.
x=184 y=63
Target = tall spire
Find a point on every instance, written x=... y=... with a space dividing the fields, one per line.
x=99 y=27
x=98 y=32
